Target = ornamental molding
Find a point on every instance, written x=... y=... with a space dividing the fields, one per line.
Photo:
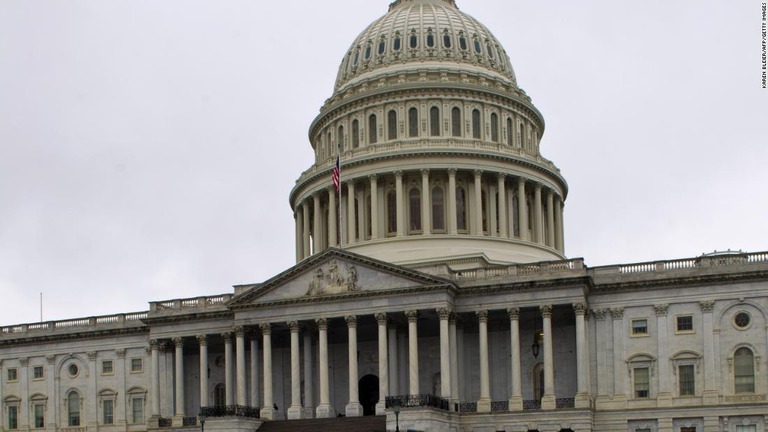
x=661 y=309
x=707 y=305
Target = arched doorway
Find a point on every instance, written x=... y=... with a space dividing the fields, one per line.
x=368 y=393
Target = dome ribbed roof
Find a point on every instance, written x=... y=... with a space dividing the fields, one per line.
x=430 y=33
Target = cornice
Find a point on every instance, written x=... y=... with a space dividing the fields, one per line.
x=65 y=337
x=182 y=317
x=678 y=281
x=581 y=282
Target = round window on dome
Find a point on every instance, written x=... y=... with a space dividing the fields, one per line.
x=742 y=320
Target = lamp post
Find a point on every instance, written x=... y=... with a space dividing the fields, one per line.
x=202 y=423
x=396 y=409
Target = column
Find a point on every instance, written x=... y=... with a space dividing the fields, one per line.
x=255 y=373
x=484 y=403
x=381 y=320
x=394 y=380
x=664 y=396
x=23 y=377
x=444 y=315
x=53 y=408
x=351 y=220
x=228 y=381
x=202 y=340
x=502 y=204
x=559 y=242
x=240 y=356
x=550 y=219
x=452 y=229
x=324 y=410
x=710 y=377
x=604 y=376
x=413 y=352
x=179 y=369
x=155 y=379
x=305 y=224
x=353 y=408
x=582 y=363
x=454 y=360
x=93 y=403
x=522 y=209
x=619 y=367
x=374 y=206
x=309 y=379
x=477 y=222
x=267 y=412
x=295 y=411
x=516 y=400
x=426 y=203
x=548 y=400
x=400 y=207
x=537 y=218
x=333 y=218
x=317 y=243
x=299 y=231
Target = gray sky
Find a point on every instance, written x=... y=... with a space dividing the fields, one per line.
x=147 y=147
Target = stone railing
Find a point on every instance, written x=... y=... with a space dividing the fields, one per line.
x=705 y=261
x=229 y=411
x=521 y=270
x=78 y=323
x=189 y=303
x=413 y=401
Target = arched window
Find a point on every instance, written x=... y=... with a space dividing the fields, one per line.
x=396 y=43
x=73 y=409
x=219 y=395
x=414 y=210
x=434 y=121
x=391 y=212
x=358 y=220
x=490 y=51
x=462 y=42
x=438 y=210
x=414 y=40
x=476 y=124
x=430 y=39
x=447 y=40
x=392 y=125
x=456 y=122
x=478 y=47
x=522 y=136
x=515 y=217
x=368 y=227
x=461 y=209
x=367 y=54
x=509 y=131
x=356 y=57
x=372 y=129
x=413 y=122
x=382 y=46
x=355 y=133
x=340 y=138
x=494 y=127
x=484 y=206
x=328 y=143
x=744 y=371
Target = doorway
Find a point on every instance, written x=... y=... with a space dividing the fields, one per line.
x=368 y=394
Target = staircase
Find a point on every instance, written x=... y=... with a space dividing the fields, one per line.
x=338 y=424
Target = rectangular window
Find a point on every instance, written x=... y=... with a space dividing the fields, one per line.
x=13 y=374
x=13 y=417
x=107 y=367
x=639 y=327
x=688 y=429
x=137 y=405
x=746 y=428
x=687 y=380
x=643 y=430
x=38 y=372
x=108 y=408
x=642 y=383
x=685 y=323
x=39 y=415
x=137 y=365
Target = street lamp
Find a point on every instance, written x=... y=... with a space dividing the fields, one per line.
x=396 y=409
x=202 y=423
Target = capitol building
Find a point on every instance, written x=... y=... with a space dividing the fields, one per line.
x=431 y=291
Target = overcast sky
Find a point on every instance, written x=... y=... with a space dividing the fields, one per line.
x=147 y=147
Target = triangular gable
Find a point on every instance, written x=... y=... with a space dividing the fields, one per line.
x=335 y=272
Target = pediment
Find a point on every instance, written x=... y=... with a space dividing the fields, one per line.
x=332 y=274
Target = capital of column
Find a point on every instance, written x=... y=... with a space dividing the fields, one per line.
x=227 y=336
x=293 y=326
x=202 y=340
x=444 y=313
x=120 y=353
x=398 y=173
x=425 y=172
x=412 y=315
x=24 y=361
x=322 y=323
x=521 y=181
x=501 y=176
x=546 y=311
x=600 y=313
x=661 y=309
x=178 y=342
x=373 y=177
x=351 y=321
x=537 y=187
x=514 y=313
x=617 y=313
x=91 y=355
x=580 y=308
x=452 y=319
x=266 y=329
x=452 y=172
x=482 y=316
x=51 y=359
x=707 y=305
x=381 y=318
x=478 y=173
x=154 y=344
x=238 y=331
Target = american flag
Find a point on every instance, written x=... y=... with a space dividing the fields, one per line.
x=336 y=174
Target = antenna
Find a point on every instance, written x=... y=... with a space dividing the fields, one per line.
x=41 y=306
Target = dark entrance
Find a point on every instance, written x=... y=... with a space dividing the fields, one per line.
x=368 y=393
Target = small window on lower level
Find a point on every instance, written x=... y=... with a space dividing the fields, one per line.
x=38 y=372
x=13 y=374
x=137 y=365
x=107 y=367
x=639 y=327
x=688 y=429
x=685 y=323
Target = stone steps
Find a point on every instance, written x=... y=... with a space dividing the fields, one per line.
x=337 y=424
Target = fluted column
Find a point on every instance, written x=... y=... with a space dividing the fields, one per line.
x=537 y=214
x=305 y=225
x=353 y=408
x=297 y=218
x=309 y=379
x=550 y=219
x=202 y=340
x=333 y=218
x=324 y=410
x=445 y=353
x=502 y=204
x=351 y=220
x=255 y=372
x=153 y=345
x=454 y=359
x=522 y=209
x=426 y=203
x=228 y=381
x=240 y=368
x=452 y=227
x=413 y=351
x=178 y=343
x=477 y=223
x=516 y=400
x=559 y=243
x=400 y=205
x=548 y=400
x=295 y=411
x=582 y=363
x=267 y=412
x=374 y=206
x=394 y=379
x=381 y=320
x=484 y=403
